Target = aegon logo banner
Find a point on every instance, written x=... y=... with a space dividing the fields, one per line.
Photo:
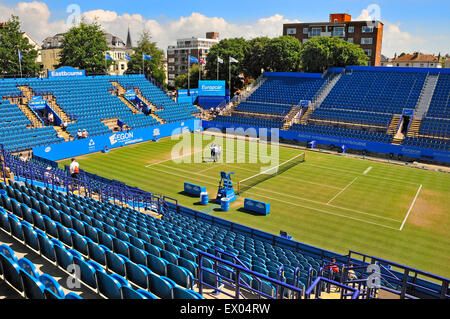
x=122 y=137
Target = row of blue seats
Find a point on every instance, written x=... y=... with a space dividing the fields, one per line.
x=343 y=132
x=440 y=102
x=357 y=117
x=268 y=108
x=23 y=276
x=100 y=255
x=439 y=144
x=177 y=246
x=249 y=121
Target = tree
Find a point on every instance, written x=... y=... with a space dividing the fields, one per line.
x=282 y=54
x=321 y=53
x=11 y=41
x=181 y=81
x=255 y=57
x=234 y=47
x=155 y=67
x=84 y=47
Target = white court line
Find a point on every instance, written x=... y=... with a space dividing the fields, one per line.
x=342 y=190
x=326 y=212
x=270 y=191
x=295 y=204
x=410 y=208
x=353 y=172
x=367 y=170
x=212 y=166
x=171 y=159
x=294 y=179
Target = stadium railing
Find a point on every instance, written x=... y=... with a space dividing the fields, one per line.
x=406 y=282
x=273 y=289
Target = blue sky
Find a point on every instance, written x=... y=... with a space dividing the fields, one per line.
x=422 y=23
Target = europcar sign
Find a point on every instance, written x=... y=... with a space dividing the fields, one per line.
x=211 y=88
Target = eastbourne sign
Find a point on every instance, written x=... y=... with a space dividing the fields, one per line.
x=211 y=88
x=66 y=71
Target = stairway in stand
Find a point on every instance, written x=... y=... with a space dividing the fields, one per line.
x=120 y=94
x=67 y=137
x=393 y=126
x=22 y=103
x=306 y=116
x=414 y=128
x=289 y=119
x=51 y=101
x=111 y=123
x=398 y=139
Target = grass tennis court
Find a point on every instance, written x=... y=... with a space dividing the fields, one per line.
x=333 y=202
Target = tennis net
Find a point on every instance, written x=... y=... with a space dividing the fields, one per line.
x=254 y=180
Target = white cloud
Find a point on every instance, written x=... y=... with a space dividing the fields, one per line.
x=163 y=33
x=396 y=40
x=36 y=20
x=196 y=25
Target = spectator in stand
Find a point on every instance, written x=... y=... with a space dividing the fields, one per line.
x=64 y=126
x=48 y=175
x=85 y=134
x=334 y=269
x=74 y=169
x=351 y=273
x=79 y=134
x=50 y=118
x=22 y=157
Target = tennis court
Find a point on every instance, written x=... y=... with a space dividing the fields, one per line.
x=335 y=202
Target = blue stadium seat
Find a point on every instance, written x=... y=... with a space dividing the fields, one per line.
x=33 y=288
x=53 y=289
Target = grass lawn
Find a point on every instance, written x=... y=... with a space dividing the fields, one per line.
x=333 y=202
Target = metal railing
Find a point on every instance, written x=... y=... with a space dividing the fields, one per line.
x=86 y=184
x=237 y=283
x=406 y=282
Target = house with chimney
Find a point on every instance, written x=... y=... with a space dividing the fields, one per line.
x=417 y=60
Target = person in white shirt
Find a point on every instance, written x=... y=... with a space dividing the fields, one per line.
x=219 y=151
x=74 y=169
x=50 y=118
x=79 y=134
x=22 y=157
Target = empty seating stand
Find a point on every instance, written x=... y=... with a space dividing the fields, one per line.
x=86 y=101
x=119 y=248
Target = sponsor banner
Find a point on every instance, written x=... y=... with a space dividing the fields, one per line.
x=37 y=103
x=356 y=144
x=130 y=95
x=211 y=88
x=65 y=72
x=60 y=151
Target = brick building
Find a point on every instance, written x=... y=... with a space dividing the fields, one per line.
x=367 y=34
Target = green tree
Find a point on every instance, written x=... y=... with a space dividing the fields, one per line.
x=236 y=48
x=181 y=81
x=155 y=67
x=255 y=57
x=84 y=47
x=321 y=53
x=11 y=41
x=282 y=54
